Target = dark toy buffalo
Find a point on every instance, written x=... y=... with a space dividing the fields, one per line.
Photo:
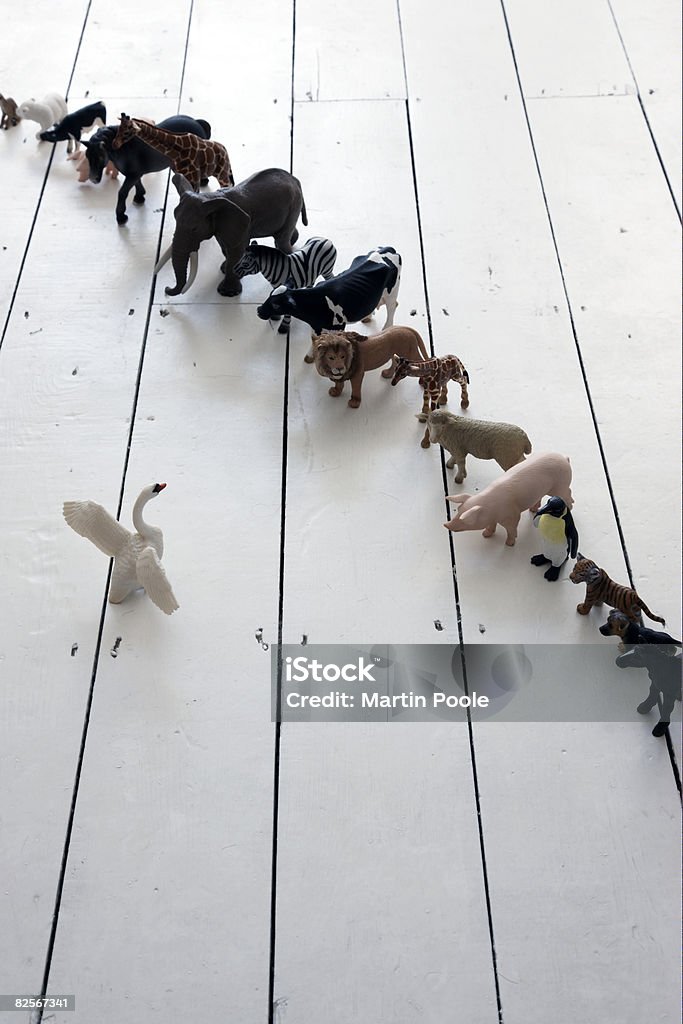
x=135 y=158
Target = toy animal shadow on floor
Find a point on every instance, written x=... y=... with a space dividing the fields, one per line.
x=267 y=203
x=664 y=671
x=345 y=355
x=135 y=158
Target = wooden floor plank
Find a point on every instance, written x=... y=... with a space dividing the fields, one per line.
x=129 y=52
x=563 y=51
x=608 y=50
x=380 y=904
x=23 y=159
x=364 y=563
x=647 y=31
x=349 y=52
x=631 y=311
x=182 y=715
x=178 y=768
x=584 y=872
x=497 y=302
x=239 y=76
x=550 y=794
x=68 y=378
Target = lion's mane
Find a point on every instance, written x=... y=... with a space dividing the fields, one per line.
x=334 y=343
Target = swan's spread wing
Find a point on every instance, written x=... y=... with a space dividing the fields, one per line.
x=94 y=522
x=151 y=575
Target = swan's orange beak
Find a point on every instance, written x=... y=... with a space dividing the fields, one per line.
x=159 y=487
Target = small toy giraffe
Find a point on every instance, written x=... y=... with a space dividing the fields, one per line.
x=434 y=376
x=197 y=159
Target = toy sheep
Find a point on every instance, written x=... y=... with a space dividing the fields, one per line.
x=504 y=500
x=505 y=443
x=50 y=110
x=9 y=112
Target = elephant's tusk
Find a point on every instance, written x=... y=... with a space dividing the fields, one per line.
x=164 y=258
x=194 y=263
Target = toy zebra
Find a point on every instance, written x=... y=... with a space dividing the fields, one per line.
x=299 y=269
x=435 y=375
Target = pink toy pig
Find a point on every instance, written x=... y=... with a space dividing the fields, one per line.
x=504 y=500
x=83 y=167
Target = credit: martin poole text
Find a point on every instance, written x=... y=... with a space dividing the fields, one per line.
x=364 y=696
x=446 y=682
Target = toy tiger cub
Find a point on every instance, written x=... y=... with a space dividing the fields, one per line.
x=601 y=589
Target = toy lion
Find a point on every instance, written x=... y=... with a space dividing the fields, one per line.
x=345 y=355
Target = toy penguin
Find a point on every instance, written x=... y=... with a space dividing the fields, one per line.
x=560 y=539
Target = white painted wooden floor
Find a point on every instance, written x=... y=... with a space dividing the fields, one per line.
x=166 y=853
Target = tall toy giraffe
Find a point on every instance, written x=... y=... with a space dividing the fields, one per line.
x=434 y=376
x=196 y=159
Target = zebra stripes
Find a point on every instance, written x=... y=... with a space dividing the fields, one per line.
x=300 y=269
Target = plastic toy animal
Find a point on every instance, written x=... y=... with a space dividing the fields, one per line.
x=267 y=203
x=137 y=556
x=70 y=127
x=560 y=539
x=51 y=109
x=197 y=159
x=10 y=117
x=135 y=158
x=434 y=377
x=600 y=589
x=664 y=671
x=632 y=633
x=345 y=355
x=505 y=443
x=83 y=166
x=371 y=281
x=504 y=500
x=298 y=269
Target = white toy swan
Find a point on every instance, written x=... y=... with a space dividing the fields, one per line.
x=136 y=555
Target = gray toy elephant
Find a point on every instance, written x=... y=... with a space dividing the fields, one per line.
x=267 y=203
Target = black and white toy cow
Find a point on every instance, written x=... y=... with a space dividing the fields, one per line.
x=70 y=127
x=371 y=281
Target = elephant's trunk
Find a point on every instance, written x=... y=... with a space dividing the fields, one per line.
x=180 y=261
